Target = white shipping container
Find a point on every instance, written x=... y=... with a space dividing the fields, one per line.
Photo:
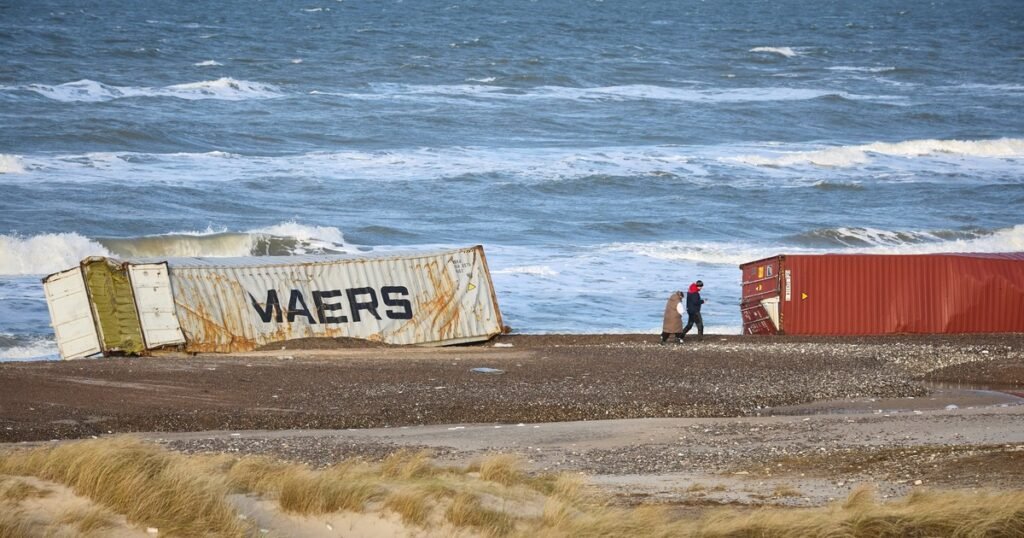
x=239 y=304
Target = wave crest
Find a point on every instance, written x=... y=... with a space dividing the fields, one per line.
x=50 y=253
x=45 y=253
x=11 y=164
x=847 y=156
x=850 y=240
x=91 y=91
x=782 y=51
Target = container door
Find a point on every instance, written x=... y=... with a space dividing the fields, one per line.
x=113 y=306
x=155 y=303
x=758 y=317
x=759 y=305
x=71 y=314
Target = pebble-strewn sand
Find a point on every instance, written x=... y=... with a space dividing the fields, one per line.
x=733 y=407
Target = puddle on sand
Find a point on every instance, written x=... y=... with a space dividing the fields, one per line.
x=941 y=396
x=1012 y=389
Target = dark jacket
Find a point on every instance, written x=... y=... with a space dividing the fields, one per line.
x=693 y=300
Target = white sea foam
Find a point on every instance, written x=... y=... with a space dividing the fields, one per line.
x=695 y=163
x=538 y=270
x=225 y=88
x=39 y=349
x=311 y=239
x=861 y=241
x=863 y=69
x=46 y=253
x=783 y=51
x=91 y=91
x=50 y=253
x=1003 y=240
x=11 y=164
x=846 y=156
x=207 y=63
x=483 y=94
x=728 y=254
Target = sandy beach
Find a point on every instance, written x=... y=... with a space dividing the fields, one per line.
x=729 y=419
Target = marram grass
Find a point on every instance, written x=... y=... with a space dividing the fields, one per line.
x=189 y=496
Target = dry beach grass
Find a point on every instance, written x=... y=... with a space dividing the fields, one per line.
x=192 y=496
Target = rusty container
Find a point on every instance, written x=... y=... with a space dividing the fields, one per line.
x=861 y=294
x=432 y=298
x=240 y=304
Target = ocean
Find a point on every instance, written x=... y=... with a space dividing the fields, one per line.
x=605 y=153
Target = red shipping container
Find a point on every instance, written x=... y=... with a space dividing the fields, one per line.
x=854 y=294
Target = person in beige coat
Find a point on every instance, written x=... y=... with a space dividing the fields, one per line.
x=673 y=322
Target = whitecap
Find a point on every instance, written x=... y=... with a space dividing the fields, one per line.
x=847 y=156
x=37 y=349
x=479 y=94
x=862 y=69
x=536 y=270
x=45 y=253
x=224 y=88
x=858 y=240
x=783 y=51
x=11 y=164
x=91 y=91
x=207 y=63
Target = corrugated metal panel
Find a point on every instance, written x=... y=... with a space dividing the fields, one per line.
x=424 y=298
x=880 y=294
x=154 y=302
x=305 y=259
x=71 y=314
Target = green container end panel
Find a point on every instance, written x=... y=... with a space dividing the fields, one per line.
x=114 y=306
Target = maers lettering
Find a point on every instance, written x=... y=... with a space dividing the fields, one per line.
x=329 y=306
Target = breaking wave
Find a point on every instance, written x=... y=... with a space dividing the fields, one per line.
x=50 y=253
x=846 y=240
x=871 y=237
x=45 y=253
x=11 y=164
x=18 y=348
x=91 y=91
x=632 y=92
x=536 y=270
x=863 y=69
x=846 y=156
x=782 y=51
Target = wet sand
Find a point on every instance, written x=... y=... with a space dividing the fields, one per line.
x=728 y=419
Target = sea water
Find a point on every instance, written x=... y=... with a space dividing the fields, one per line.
x=605 y=153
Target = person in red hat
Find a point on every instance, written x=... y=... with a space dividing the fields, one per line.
x=693 y=303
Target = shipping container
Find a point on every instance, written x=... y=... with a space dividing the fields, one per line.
x=240 y=304
x=861 y=294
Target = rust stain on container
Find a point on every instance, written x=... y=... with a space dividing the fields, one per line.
x=860 y=294
x=240 y=304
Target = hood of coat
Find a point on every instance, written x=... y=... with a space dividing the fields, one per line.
x=693 y=288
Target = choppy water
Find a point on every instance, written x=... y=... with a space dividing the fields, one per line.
x=604 y=153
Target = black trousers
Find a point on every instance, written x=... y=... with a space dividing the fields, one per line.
x=691 y=319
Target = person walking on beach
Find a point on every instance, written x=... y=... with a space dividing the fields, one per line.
x=673 y=323
x=693 y=302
